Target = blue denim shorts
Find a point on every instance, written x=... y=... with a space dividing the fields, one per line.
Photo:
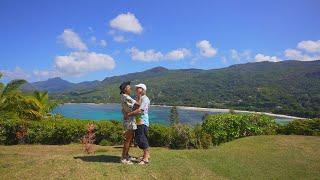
x=141 y=136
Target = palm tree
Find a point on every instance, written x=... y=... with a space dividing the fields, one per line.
x=46 y=105
x=12 y=101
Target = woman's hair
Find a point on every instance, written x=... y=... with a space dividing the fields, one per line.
x=123 y=86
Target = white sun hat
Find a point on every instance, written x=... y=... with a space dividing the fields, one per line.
x=143 y=86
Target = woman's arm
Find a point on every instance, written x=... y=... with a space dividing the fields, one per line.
x=125 y=115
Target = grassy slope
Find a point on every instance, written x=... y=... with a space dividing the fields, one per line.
x=262 y=157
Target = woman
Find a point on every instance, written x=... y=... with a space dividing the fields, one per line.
x=129 y=124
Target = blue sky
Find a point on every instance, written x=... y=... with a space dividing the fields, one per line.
x=91 y=40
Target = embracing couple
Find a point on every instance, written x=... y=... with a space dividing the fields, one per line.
x=135 y=121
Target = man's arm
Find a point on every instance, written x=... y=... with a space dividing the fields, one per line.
x=135 y=112
x=140 y=109
x=137 y=101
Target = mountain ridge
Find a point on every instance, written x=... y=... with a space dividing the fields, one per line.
x=287 y=87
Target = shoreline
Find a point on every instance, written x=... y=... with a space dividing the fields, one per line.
x=215 y=110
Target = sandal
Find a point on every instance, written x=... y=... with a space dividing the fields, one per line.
x=143 y=162
x=141 y=158
x=131 y=158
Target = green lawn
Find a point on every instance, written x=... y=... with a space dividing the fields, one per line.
x=261 y=157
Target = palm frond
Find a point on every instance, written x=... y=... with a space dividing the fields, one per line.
x=13 y=86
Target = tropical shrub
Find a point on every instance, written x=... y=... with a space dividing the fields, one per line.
x=111 y=131
x=181 y=136
x=308 y=127
x=104 y=142
x=51 y=131
x=158 y=135
x=203 y=139
x=226 y=127
x=34 y=107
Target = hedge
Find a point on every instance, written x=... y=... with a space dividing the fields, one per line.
x=215 y=129
x=307 y=127
x=52 y=131
x=226 y=127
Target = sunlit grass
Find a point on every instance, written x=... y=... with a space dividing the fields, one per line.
x=261 y=157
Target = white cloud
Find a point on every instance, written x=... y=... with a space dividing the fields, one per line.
x=80 y=63
x=147 y=56
x=126 y=22
x=306 y=51
x=238 y=56
x=119 y=38
x=177 y=54
x=294 y=54
x=16 y=73
x=206 y=48
x=235 y=55
x=262 y=57
x=72 y=40
x=46 y=73
x=153 y=55
x=309 y=46
x=94 y=41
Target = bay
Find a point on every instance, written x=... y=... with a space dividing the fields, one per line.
x=157 y=114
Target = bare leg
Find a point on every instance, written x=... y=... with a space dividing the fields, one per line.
x=146 y=154
x=127 y=142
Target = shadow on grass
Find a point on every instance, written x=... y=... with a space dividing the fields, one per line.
x=99 y=158
x=118 y=147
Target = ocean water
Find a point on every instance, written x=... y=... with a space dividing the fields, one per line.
x=113 y=112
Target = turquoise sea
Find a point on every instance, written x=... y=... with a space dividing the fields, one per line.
x=113 y=112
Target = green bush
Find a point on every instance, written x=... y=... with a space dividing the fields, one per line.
x=308 y=127
x=203 y=140
x=158 y=135
x=104 y=142
x=111 y=131
x=181 y=137
x=57 y=131
x=226 y=127
x=206 y=141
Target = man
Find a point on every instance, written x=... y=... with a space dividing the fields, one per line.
x=129 y=124
x=142 y=121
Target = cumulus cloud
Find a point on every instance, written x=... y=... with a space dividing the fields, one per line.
x=147 y=56
x=94 y=41
x=16 y=73
x=238 y=56
x=262 y=57
x=80 y=63
x=206 y=48
x=305 y=51
x=153 y=55
x=72 y=40
x=309 y=46
x=46 y=73
x=178 y=54
x=119 y=38
x=294 y=54
x=127 y=23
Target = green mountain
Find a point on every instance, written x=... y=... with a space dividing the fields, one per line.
x=287 y=87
